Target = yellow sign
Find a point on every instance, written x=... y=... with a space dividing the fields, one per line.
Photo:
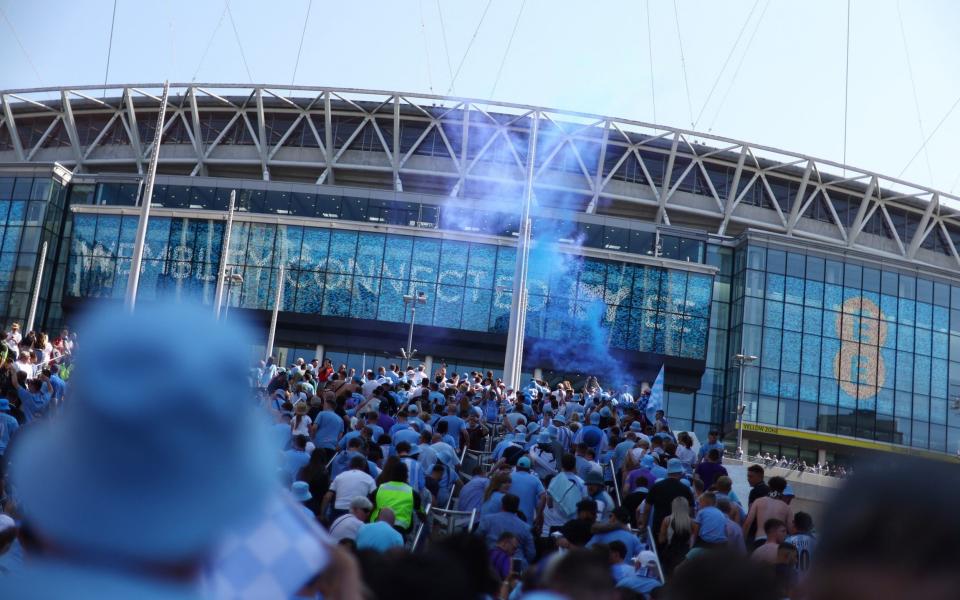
x=840 y=440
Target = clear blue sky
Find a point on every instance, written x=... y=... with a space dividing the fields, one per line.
x=588 y=56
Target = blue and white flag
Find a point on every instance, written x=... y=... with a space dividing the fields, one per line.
x=655 y=402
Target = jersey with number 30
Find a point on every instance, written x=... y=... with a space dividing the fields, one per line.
x=805 y=544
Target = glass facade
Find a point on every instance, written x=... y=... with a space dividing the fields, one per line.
x=848 y=349
x=31 y=213
x=363 y=275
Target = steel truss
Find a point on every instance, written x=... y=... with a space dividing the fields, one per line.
x=576 y=153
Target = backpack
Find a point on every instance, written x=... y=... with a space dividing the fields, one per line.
x=565 y=494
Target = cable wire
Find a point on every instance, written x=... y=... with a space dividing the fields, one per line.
x=470 y=45
x=653 y=87
x=506 y=52
x=26 y=54
x=736 y=72
x=683 y=62
x=913 y=85
x=929 y=137
x=236 y=34
x=846 y=92
x=733 y=48
x=106 y=75
x=446 y=48
x=426 y=46
x=210 y=41
x=303 y=34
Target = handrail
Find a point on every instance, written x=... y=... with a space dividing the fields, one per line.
x=423 y=522
x=616 y=484
x=652 y=542
x=335 y=455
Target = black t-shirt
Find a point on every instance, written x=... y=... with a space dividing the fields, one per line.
x=577 y=531
x=759 y=491
x=632 y=502
x=661 y=496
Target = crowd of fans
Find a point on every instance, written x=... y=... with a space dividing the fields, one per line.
x=151 y=477
x=801 y=466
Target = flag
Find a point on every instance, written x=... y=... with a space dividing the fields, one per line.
x=655 y=402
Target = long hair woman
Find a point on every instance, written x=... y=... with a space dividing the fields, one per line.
x=675 y=535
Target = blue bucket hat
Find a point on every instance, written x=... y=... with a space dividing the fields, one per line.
x=533 y=428
x=552 y=431
x=544 y=438
x=595 y=418
x=674 y=466
x=139 y=462
x=4 y=404
x=636 y=426
x=647 y=460
x=605 y=412
x=560 y=419
x=301 y=491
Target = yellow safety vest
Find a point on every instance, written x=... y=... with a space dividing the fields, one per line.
x=398 y=497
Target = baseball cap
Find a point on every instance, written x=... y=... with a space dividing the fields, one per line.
x=645 y=558
x=524 y=462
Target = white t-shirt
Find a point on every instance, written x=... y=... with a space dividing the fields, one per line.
x=348 y=485
x=303 y=428
x=345 y=527
x=368 y=386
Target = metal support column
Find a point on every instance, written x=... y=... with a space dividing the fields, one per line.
x=36 y=289
x=513 y=359
x=276 y=311
x=145 y=200
x=224 y=258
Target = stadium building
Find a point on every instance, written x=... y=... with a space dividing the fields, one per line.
x=841 y=282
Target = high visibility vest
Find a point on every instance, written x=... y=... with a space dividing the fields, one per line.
x=398 y=497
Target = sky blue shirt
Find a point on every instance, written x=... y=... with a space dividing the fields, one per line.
x=528 y=488
x=629 y=540
x=455 y=424
x=493 y=525
x=493 y=504
x=294 y=460
x=713 y=525
x=59 y=387
x=8 y=426
x=33 y=404
x=329 y=427
x=379 y=536
x=471 y=494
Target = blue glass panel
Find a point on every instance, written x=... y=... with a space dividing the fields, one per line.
x=904 y=371
x=557 y=320
x=938 y=378
x=885 y=402
x=889 y=339
x=258 y=290
x=940 y=345
x=794 y=291
x=773 y=314
x=923 y=341
x=476 y=308
x=699 y=293
x=831 y=348
x=831 y=324
x=810 y=363
x=619 y=284
x=238 y=243
x=481 y=266
x=369 y=259
x=673 y=333
x=343 y=250
x=426 y=259
x=769 y=382
x=453 y=259
x=828 y=391
x=812 y=320
x=591 y=284
x=500 y=311
x=108 y=233
x=775 y=285
x=832 y=296
x=619 y=328
x=84 y=229
x=921 y=410
x=809 y=388
x=448 y=306
x=852 y=300
x=924 y=315
x=366 y=290
x=941 y=318
x=793 y=317
x=291 y=238
x=310 y=291
x=789 y=385
x=889 y=358
x=337 y=288
x=397 y=256
x=158 y=236
x=938 y=410
x=506 y=261
x=695 y=338
x=888 y=307
x=150 y=275
x=921 y=375
x=906 y=310
x=390 y=306
x=770 y=355
x=905 y=339
x=208 y=240
x=789 y=357
x=8 y=263
x=290 y=280
x=814 y=293
x=646 y=287
x=903 y=405
x=676 y=291
x=844 y=399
